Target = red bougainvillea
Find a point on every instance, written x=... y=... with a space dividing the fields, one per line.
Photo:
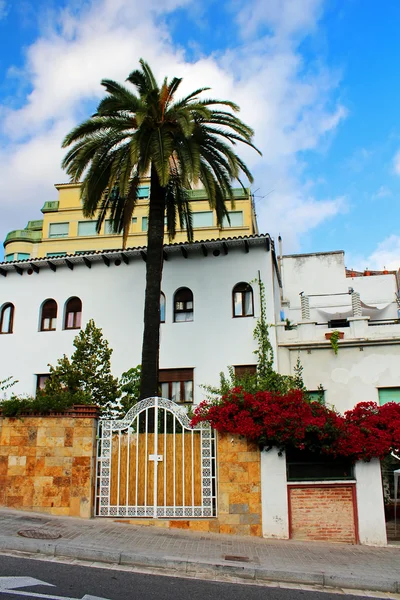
x=273 y=419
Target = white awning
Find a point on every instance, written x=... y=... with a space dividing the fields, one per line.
x=335 y=312
x=377 y=307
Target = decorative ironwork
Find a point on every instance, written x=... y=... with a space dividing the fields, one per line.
x=115 y=490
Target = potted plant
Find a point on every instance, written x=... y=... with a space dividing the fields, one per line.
x=334 y=337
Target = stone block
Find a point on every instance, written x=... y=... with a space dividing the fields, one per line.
x=79 y=491
x=14 y=501
x=250 y=519
x=55 y=432
x=28 y=498
x=244 y=457
x=83 y=447
x=60 y=511
x=62 y=481
x=3 y=465
x=69 y=437
x=240 y=508
x=179 y=524
x=54 y=461
x=199 y=525
x=53 y=471
x=80 y=476
x=81 y=461
x=230 y=519
x=256 y=530
x=15 y=471
x=5 y=434
x=74 y=507
x=238 y=498
x=237 y=476
x=223 y=502
x=254 y=471
x=16 y=440
x=16 y=461
x=26 y=451
x=226 y=529
x=86 y=507
x=241 y=529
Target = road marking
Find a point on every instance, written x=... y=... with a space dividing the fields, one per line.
x=8 y=585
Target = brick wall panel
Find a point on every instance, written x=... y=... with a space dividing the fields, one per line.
x=323 y=513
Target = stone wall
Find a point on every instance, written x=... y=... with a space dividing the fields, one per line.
x=47 y=464
x=323 y=513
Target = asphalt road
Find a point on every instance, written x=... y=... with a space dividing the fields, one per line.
x=17 y=577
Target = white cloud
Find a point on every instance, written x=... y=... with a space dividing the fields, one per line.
x=386 y=255
x=285 y=18
x=382 y=192
x=396 y=163
x=290 y=105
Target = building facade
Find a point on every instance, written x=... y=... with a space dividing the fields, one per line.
x=209 y=308
x=63 y=229
x=320 y=296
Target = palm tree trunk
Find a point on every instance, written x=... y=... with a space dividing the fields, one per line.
x=154 y=266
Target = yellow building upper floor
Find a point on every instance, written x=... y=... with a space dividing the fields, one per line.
x=64 y=230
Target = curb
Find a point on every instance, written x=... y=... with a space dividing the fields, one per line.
x=247 y=572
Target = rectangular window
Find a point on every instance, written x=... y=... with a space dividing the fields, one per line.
x=23 y=256
x=244 y=370
x=302 y=465
x=41 y=381
x=391 y=394
x=145 y=223
x=108 y=230
x=54 y=254
x=176 y=384
x=202 y=219
x=236 y=218
x=87 y=228
x=338 y=323
x=57 y=230
x=9 y=257
x=317 y=396
x=143 y=191
x=134 y=220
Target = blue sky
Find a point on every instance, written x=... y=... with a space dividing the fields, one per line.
x=317 y=79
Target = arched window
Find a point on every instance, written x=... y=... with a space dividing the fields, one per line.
x=48 y=316
x=7 y=318
x=73 y=313
x=242 y=300
x=183 y=305
x=162 y=307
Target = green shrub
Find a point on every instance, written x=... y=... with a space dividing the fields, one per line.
x=43 y=404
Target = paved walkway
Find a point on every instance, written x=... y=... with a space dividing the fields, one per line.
x=206 y=555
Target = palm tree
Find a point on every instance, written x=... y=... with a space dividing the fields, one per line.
x=178 y=143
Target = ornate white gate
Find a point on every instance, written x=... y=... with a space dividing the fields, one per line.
x=152 y=463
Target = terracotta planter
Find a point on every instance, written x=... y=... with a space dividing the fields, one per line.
x=367 y=273
x=328 y=335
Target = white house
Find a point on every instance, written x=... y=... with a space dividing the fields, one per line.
x=320 y=296
x=210 y=304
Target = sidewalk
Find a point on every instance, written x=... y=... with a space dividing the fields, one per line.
x=205 y=555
